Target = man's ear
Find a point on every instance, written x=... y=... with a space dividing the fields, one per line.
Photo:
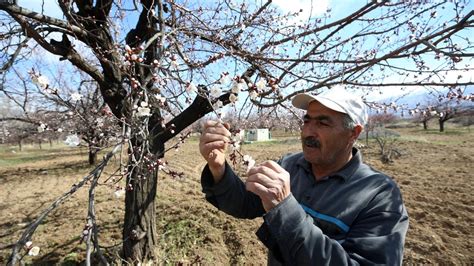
x=356 y=132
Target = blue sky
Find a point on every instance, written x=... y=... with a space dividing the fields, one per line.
x=339 y=9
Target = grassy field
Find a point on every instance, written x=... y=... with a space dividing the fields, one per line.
x=434 y=173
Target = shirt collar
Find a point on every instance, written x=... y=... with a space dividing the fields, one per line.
x=345 y=172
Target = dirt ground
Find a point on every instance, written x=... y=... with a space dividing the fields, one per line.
x=434 y=174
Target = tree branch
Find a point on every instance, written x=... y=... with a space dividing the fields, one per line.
x=31 y=228
x=17 y=10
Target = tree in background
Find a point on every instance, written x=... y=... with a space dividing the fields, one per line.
x=377 y=121
x=57 y=109
x=424 y=117
x=242 y=54
x=450 y=107
x=444 y=107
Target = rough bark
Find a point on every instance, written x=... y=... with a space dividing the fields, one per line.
x=139 y=230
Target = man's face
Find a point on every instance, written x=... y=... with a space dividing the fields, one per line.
x=324 y=138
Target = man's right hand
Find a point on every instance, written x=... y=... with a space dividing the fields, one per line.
x=213 y=144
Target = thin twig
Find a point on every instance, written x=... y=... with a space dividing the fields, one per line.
x=91 y=220
x=31 y=228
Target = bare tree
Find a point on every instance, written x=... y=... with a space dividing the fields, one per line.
x=173 y=46
x=377 y=121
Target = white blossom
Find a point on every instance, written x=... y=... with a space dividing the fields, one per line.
x=261 y=84
x=41 y=128
x=218 y=104
x=143 y=111
x=233 y=98
x=119 y=193
x=34 y=251
x=237 y=87
x=60 y=130
x=191 y=88
x=41 y=81
x=76 y=97
x=235 y=145
x=249 y=161
x=160 y=98
x=253 y=95
x=174 y=64
x=28 y=245
x=220 y=116
x=215 y=91
x=72 y=140
x=224 y=78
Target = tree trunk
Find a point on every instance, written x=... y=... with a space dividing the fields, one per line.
x=39 y=143
x=139 y=231
x=425 y=124
x=19 y=144
x=92 y=156
x=441 y=125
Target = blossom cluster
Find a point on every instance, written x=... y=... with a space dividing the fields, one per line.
x=32 y=250
x=235 y=152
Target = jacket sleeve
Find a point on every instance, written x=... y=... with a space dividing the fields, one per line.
x=230 y=195
x=376 y=236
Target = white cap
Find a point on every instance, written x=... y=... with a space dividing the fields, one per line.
x=338 y=100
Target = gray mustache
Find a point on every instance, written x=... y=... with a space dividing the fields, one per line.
x=311 y=142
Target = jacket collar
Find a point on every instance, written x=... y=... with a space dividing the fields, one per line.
x=345 y=172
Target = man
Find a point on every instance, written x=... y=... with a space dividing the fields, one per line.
x=321 y=206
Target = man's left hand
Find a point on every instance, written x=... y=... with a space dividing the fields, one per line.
x=270 y=182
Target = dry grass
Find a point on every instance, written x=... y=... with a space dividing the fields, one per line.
x=434 y=174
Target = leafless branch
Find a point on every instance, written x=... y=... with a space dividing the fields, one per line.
x=31 y=228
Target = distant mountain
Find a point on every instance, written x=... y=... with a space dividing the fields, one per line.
x=425 y=97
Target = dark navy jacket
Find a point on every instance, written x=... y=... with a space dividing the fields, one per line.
x=355 y=216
